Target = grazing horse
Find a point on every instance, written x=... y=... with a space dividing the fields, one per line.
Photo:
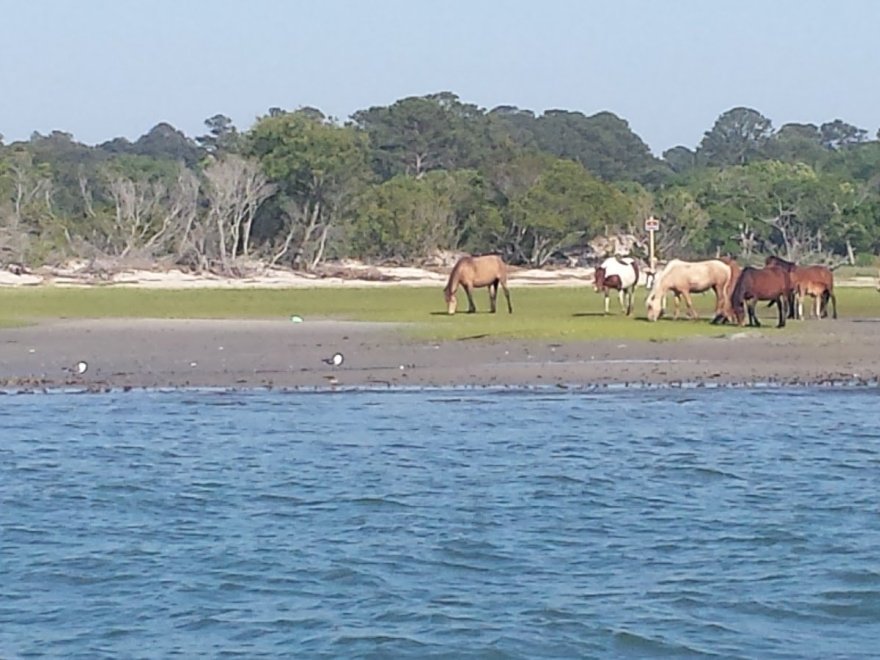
x=621 y=273
x=754 y=284
x=815 y=281
x=471 y=272
x=684 y=278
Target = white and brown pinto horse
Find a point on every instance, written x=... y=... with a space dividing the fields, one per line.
x=622 y=274
x=683 y=278
x=472 y=272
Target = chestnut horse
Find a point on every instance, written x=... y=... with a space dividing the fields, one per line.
x=754 y=284
x=815 y=281
x=621 y=273
x=471 y=272
x=727 y=315
x=684 y=278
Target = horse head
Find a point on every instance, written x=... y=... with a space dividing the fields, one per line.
x=779 y=262
x=654 y=304
x=451 y=300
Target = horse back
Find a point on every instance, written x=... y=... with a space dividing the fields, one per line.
x=619 y=273
x=695 y=276
x=479 y=271
x=814 y=277
x=762 y=283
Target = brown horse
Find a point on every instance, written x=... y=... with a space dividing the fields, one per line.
x=684 y=278
x=815 y=281
x=754 y=284
x=471 y=272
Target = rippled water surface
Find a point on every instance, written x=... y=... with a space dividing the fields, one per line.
x=727 y=523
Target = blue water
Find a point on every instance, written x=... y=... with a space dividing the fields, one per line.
x=460 y=524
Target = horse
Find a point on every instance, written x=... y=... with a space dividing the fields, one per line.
x=754 y=284
x=684 y=278
x=815 y=281
x=727 y=315
x=471 y=272
x=621 y=273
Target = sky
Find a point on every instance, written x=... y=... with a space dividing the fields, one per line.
x=101 y=69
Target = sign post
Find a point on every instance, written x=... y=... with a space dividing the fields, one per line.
x=652 y=224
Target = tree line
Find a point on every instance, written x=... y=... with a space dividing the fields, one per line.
x=399 y=182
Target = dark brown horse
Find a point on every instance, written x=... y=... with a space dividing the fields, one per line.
x=471 y=272
x=754 y=284
x=815 y=281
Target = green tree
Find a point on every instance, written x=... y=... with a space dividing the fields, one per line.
x=562 y=208
x=319 y=167
x=838 y=134
x=684 y=224
x=775 y=206
x=796 y=143
x=163 y=141
x=419 y=134
x=222 y=135
x=680 y=159
x=738 y=137
x=603 y=143
x=407 y=219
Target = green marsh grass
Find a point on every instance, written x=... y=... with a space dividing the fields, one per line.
x=560 y=313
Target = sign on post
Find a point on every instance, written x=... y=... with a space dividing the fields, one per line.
x=652 y=224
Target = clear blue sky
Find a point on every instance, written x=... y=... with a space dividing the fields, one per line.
x=107 y=68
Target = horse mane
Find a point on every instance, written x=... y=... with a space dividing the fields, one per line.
x=660 y=275
x=453 y=276
x=774 y=260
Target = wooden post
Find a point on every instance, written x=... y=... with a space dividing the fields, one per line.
x=652 y=224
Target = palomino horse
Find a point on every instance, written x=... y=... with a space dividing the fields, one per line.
x=621 y=273
x=815 y=281
x=471 y=272
x=684 y=278
x=754 y=284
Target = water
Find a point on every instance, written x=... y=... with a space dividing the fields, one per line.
x=460 y=524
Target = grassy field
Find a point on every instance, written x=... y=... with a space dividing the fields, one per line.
x=551 y=313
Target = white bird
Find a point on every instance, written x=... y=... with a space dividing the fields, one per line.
x=336 y=360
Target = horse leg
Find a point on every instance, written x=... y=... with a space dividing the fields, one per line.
x=794 y=296
x=782 y=303
x=829 y=295
x=631 y=294
x=753 y=316
x=620 y=295
x=468 y=289
x=607 y=299
x=493 y=294
x=676 y=304
x=690 y=305
x=507 y=296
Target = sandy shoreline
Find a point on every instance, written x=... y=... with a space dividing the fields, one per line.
x=127 y=353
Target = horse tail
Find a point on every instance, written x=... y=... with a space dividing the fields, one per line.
x=726 y=296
